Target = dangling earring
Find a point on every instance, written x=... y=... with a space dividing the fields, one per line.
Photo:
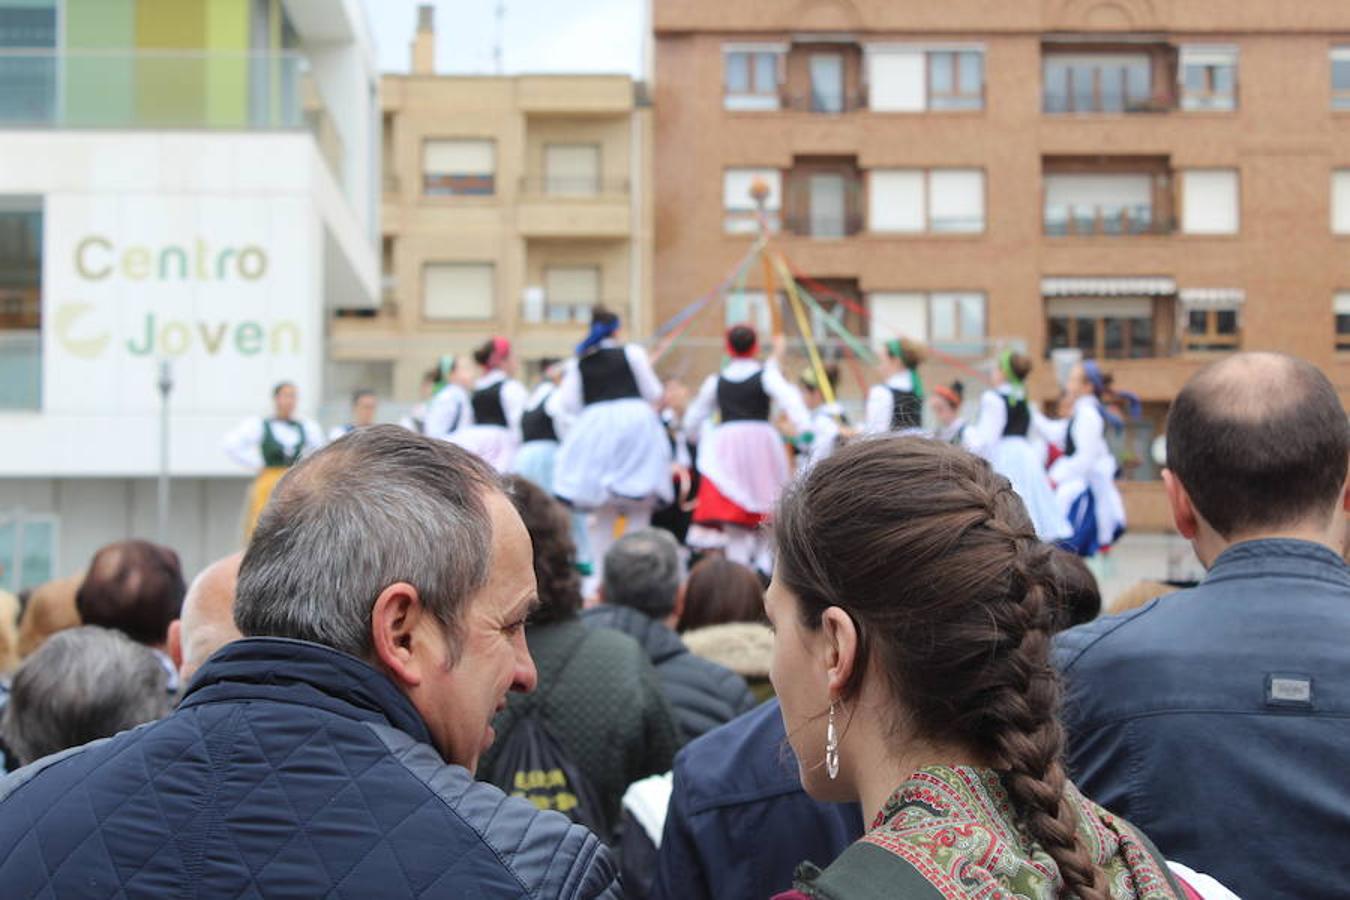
x=831 y=747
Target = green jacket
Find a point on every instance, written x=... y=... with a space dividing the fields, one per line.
x=602 y=701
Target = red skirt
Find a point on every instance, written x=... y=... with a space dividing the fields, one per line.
x=715 y=509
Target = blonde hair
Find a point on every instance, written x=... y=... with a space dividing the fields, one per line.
x=51 y=608
x=9 y=632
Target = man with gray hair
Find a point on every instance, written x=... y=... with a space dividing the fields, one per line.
x=83 y=684
x=330 y=750
x=640 y=596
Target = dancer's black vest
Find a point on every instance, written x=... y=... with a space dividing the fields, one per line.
x=536 y=424
x=743 y=401
x=906 y=409
x=487 y=406
x=1019 y=417
x=606 y=375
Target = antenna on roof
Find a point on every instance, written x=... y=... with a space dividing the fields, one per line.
x=501 y=37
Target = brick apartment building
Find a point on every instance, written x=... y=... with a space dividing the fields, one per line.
x=1152 y=182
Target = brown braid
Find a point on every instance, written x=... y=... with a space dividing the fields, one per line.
x=933 y=556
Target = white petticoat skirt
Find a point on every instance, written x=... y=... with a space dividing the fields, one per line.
x=747 y=462
x=616 y=451
x=1016 y=460
x=495 y=444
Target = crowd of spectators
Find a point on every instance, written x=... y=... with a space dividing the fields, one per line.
x=399 y=688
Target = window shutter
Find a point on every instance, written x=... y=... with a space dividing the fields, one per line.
x=1209 y=201
x=897 y=80
x=458 y=290
x=896 y=200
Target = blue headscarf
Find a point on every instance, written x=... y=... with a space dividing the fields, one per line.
x=1133 y=404
x=599 y=332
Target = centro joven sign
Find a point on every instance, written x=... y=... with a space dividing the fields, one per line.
x=223 y=288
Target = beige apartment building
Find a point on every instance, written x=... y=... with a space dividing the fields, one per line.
x=511 y=206
x=1151 y=183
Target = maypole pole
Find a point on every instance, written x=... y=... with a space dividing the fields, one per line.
x=759 y=192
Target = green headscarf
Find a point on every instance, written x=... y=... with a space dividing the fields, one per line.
x=1018 y=390
x=897 y=351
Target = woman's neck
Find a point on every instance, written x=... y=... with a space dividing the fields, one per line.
x=879 y=767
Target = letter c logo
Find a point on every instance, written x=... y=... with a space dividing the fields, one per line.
x=67 y=315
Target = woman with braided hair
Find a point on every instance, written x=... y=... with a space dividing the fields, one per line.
x=913 y=608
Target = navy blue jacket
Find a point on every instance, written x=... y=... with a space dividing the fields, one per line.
x=1217 y=719
x=702 y=693
x=739 y=821
x=289 y=769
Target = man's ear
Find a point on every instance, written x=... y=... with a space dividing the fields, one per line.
x=841 y=647
x=1183 y=512
x=394 y=621
x=175 y=643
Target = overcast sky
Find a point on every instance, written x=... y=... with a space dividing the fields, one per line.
x=539 y=35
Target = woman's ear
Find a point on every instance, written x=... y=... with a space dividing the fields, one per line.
x=840 y=635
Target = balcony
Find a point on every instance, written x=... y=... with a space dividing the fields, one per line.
x=824 y=226
x=165 y=90
x=1105 y=220
x=553 y=206
x=830 y=104
x=1107 y=80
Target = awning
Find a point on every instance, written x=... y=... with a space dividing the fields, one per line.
x=1212 y=298
x=1108 y=287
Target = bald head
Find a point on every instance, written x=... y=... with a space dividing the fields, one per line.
x=1260 y=443
x=207 y=623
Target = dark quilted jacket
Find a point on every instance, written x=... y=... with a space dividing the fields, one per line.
x=289 y=769
x=602 y=699
x=702 y=693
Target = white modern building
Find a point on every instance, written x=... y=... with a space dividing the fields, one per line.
x=189 y=185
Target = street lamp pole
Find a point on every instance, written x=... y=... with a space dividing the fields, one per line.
x=165 y=385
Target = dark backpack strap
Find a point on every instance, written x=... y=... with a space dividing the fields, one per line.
x=867 y=872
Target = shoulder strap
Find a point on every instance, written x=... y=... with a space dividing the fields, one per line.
x=865 y=871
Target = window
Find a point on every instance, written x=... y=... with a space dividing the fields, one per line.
x=1340 y=201
x=827 y=82
x=942 y=201
x=955 y=320
x=1098 y=83
x=1208 y=77
x=956 y=79
x=570 y=292
x=28 y=550
x=572 y=170
x=752 y=75
x=459 y=168
x=956 y=201
x=751 y=307
x=1209 y=201
x=1340 y=78
x=1211 y=329
x=1102 y=327
x=20 y=303
x=1107 y=203
x=915 y=79
x=1342 y=309
x=829 y=203
x=898 y=200
x=741 y=215
x=459 y=290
